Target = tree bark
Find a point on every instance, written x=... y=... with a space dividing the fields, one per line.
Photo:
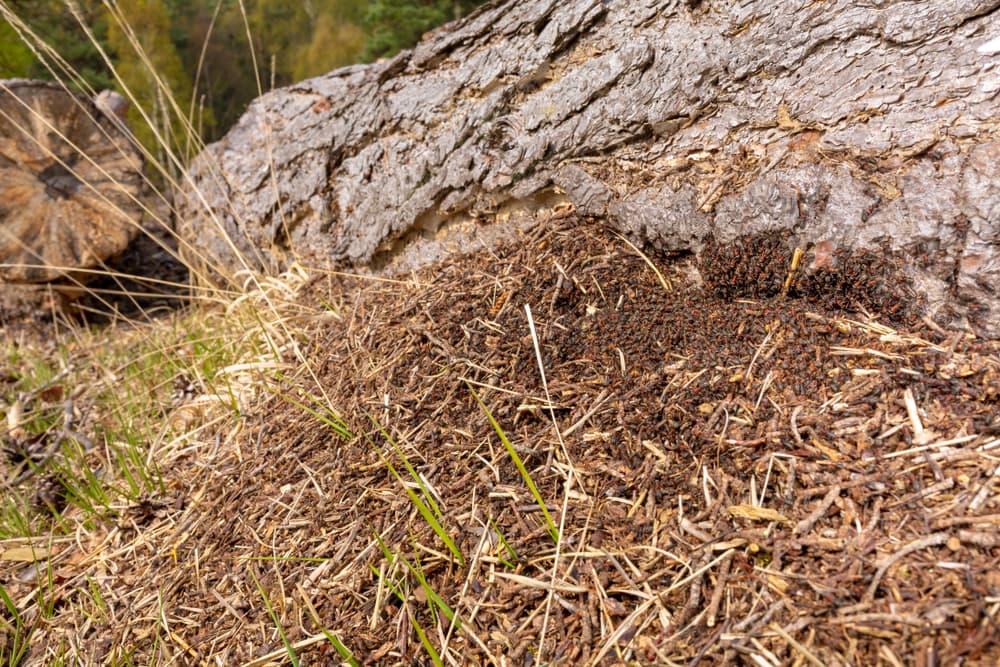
x=846 y=126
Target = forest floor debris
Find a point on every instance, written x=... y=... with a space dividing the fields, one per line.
x=758 y=480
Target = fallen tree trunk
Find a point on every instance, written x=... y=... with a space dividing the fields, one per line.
x=724 y=128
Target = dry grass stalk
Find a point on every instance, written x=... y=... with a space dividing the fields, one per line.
x=851 y=541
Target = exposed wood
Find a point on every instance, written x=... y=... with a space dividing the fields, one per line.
x=70 y=182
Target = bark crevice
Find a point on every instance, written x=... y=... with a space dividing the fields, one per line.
x=840 y=123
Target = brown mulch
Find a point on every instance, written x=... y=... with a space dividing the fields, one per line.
x=762 y=481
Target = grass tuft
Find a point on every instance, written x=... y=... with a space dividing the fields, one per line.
x=16 y=632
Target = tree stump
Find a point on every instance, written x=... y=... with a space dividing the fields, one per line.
x=833 y=128
x=71 y=183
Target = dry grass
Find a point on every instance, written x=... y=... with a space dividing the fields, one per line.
x=299 y=468
x=748 y=481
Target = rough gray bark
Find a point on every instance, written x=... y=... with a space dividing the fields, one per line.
x=849 y=124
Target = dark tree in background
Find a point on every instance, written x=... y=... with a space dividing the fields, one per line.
x=53 y=23
x=394 y=25
x=202 y=50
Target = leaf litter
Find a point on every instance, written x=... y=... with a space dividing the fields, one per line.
x=733 y=479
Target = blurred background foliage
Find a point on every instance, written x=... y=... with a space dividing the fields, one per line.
x=205 y=50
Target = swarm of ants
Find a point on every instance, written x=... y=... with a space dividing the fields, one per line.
x=763 y=265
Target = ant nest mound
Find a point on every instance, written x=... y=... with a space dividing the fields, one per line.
x=764 y=265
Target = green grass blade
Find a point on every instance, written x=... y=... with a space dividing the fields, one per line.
x=428 y=515
x=394 y=587
x=338 y=645
x=433 y=598
x=511 y=553
x=435 y=657
x=550 y=525
x=292 y=656
x=345 y=653
x=409 y=468
x=338 y=425
x=19 y=637
x=422 y=507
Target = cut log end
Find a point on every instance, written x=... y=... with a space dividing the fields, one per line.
x=71 y=183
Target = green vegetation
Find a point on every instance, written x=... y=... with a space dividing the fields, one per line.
x=293 y=658
x=201 y=49
x=58 y=27
x=121 y=385
x=17 y=632
x=398 y=588
x=393 y=25
x=140 y=36
x=550 y=525
x=93 y=418
x=423 y=501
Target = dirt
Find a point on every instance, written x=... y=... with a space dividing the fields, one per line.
x=764 y=480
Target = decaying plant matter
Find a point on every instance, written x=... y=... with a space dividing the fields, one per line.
x=767 y=479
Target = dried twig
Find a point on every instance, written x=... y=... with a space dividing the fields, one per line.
x=934 y=540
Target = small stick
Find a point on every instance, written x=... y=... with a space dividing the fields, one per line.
x=796 y=645
x=982 y=519
x=598 y=402
x=987 y=540
x=935 y=468
x=694 y=595
x=807 y=524
x=720 y=587
x=934 y=540
x=756 y=354
x=663 y=281
x=794 y=423
x=692 y=529
x=796 y=258
x=911 y=411
x=923 y=493
x=709 y=644
x=789 y=498
x=984 y=491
